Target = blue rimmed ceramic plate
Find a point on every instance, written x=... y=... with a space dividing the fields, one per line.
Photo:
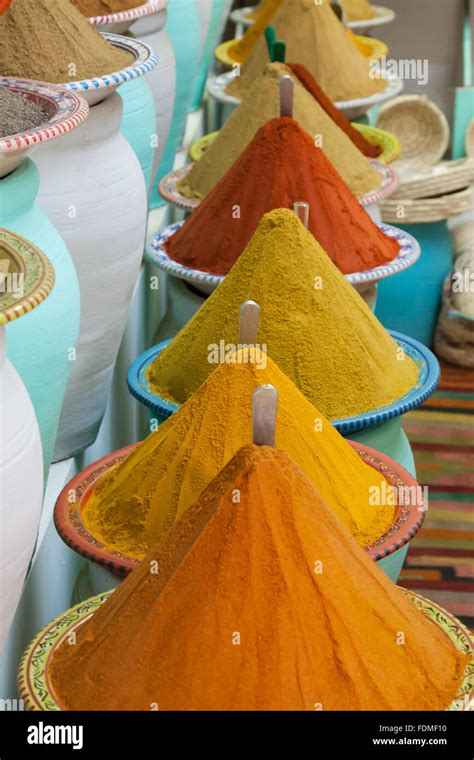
x=428 y=379
x=408 y=254
x=216 y=88
x=96 y=89
x=139 y=387
x=156 y=253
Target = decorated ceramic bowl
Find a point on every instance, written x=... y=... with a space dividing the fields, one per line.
x=121 y=21
x=168 y=187
x=389 y=144
x=35 y=687
x=374 y=49
x=65 y=111
x=31 y=273
x=428 y=379
x=70 y=525
x=205 y=282
x=352 y=109
x=383 y=16
x=97 y=89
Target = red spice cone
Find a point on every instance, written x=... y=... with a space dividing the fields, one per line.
x=280 y=165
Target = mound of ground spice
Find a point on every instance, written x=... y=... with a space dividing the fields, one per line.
x=262 y=601
x=74 y=49
x=105 y=7
x=263 y=17
x=358 y=10
x=262 y=103
x=310 y=84
x=316 y=326
x=18 y=113
x=316 y=38
x=142 y=497
x=265 y=177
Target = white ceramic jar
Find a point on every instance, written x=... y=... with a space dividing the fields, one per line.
x=26 y=282
x=93 y=190
x=21 y=478
x=162 y=80
x=39 y=345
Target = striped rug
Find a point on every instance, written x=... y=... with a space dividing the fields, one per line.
x=440 y=562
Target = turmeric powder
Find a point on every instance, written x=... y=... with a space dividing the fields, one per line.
x=316 y=326
x=263 y=17
x=141 y=498
x=260 y=557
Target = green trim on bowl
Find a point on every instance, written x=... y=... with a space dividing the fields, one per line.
x=390 y=145
x=35 y=688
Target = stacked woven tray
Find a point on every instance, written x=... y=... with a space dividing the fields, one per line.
x=430 y=189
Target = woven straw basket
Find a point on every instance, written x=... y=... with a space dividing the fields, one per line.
x=446 y=177
x=470 y=139
x=421 y=127
x=421 y=210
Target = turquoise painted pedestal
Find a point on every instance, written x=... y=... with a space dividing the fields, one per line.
x=389 y=438
x=139 y=122
x=393 y=563
x=182 y=27
x=409 y=302
x=40 y=343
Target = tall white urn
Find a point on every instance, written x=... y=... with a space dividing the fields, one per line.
x=26 y=279
x=162 y=80
x=93 y=190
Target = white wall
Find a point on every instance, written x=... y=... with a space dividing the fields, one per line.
x=429 y=29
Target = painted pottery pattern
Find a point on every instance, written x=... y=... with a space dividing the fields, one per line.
x=65 y=109
x=36 y=691
x=145 y=60
x=170 y=193
x=38 y=276
x=428 y=379
x=156 y=253
x=133 y=14
x=70 y=525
